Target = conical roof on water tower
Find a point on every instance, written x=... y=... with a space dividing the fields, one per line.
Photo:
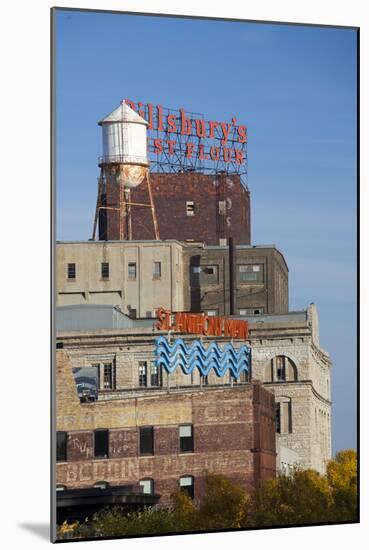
x=124 y=137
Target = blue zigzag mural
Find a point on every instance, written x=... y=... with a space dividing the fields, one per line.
x=197 y=356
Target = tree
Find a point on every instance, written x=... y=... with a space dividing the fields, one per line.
x=303 y=498
x=342 y=478
x=225 y=504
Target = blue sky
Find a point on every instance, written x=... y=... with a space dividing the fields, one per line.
x=294 y=88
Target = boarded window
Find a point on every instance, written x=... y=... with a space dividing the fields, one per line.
x=61 y=446
x=186 y=484
x=147 y=441
x=186 y=439
x=252 y=273
x=147 y=486
x=101 y=443
x=71 y=271
x=105 y=270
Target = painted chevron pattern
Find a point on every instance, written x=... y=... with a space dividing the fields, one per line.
x=198 y=356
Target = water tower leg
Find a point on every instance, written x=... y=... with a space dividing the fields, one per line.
x=122 y=208
x=98 y=204
x=153 y=211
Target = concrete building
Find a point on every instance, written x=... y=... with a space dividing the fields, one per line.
x=190 y=206
x=141 y=276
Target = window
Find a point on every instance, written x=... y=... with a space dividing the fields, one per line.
x=211 y=312
x=101 y=443
x=142 y=373
x=147 y=486
x=204 y=275
x=186 y=439
x=105 y=270
x=286 y=416
x=205 y=380
x=251 y=273
x=132 y=271
x=190 y=208
x=147 y=441
x=281 y=367
x=156 y=270
x=71 y=271
x=186 y=484
x=87 y=382
x=222 y=207
x=251 y=311
x=278 y=418
x=108 y=376
x=156 y=375
x=61 y=446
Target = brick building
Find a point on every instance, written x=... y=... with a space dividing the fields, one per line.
x=159 y=439
x=190 y=206
x=141 y=276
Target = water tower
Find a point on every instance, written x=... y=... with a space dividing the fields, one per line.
x=124 y=165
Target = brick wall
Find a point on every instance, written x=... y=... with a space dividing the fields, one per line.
x=229 y=438
x=170 y=193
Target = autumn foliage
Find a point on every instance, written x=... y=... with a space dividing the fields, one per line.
x=304 y=498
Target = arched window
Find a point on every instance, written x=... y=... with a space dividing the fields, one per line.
x=147 y=485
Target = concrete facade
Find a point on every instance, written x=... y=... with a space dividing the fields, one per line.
x=142 y=275
x=190 y=277
x=232 y=431
x=189 y=206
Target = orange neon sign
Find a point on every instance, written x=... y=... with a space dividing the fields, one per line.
x=199 y=323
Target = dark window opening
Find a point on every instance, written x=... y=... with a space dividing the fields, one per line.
x=59 y=345
x=147 y=441
x=142 y=373
x=101 y=443
x=71 y=271
x=278 y=418
x=156 y=375
x=186 y=439
x=105 y=270
x=281 y=367
x=61 y=446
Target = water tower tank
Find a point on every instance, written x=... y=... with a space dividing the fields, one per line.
x=125 y=146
